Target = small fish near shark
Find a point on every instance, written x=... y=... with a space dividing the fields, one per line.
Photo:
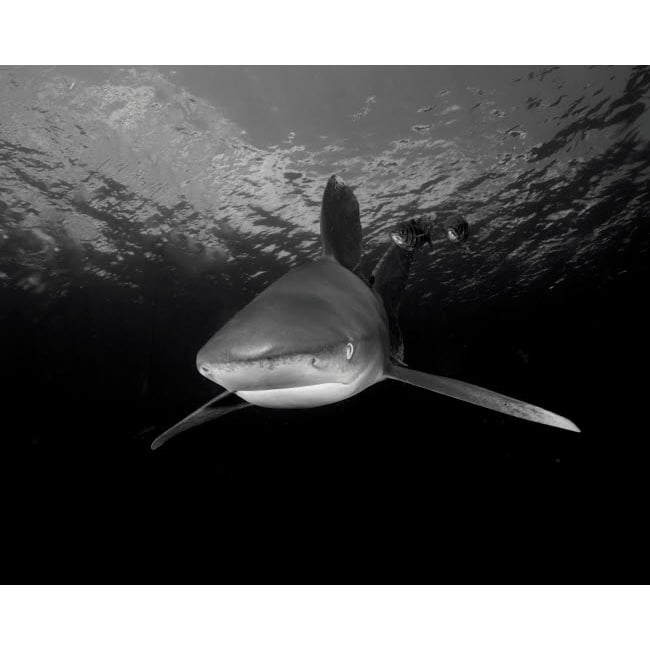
x=320 y=334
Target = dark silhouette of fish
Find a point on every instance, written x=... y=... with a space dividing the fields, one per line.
x=457 y=229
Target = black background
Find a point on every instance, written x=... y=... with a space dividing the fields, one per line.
x=394 y=485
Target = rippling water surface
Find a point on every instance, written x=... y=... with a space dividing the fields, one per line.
x=117 y=173
x=141 y=207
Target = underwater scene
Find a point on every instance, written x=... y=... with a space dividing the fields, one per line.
x=142 y=207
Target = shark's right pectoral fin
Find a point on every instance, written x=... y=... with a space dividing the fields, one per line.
x=480 y=396
x=203 y=414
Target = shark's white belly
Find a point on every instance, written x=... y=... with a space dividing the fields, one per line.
x=305 y=396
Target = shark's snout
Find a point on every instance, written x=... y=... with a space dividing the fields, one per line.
x=220 y=358
x=223 y=373
x=240 y=359
x=227 y=347
x=203 y=367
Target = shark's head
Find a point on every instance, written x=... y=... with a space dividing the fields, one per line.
x=315 y=336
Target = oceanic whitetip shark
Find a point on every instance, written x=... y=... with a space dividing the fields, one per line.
x=319 y=335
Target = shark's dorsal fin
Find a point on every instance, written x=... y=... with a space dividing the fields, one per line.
x=340 y=224
x=479 y=396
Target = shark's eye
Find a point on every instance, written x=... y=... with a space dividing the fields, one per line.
x=349 y=351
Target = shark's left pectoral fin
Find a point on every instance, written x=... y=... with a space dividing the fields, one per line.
x=480 y=396
x=202 y=415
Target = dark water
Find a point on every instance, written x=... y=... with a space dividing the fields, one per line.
x=141 y=207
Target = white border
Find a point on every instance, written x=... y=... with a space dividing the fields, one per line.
x=293 y=32
x=324 y=618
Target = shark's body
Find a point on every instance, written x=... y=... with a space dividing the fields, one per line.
x=321 y=334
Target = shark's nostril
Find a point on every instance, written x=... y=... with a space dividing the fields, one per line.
x=204 y=370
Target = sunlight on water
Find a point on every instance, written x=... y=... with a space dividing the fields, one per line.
x=114 y=175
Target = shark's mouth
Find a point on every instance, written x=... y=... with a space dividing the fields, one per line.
x=276 y=372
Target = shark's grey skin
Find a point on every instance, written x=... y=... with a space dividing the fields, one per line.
x=340 y=225
x=320 y=334
x=316 y=336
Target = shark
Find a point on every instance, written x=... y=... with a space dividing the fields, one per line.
x=320 y=334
